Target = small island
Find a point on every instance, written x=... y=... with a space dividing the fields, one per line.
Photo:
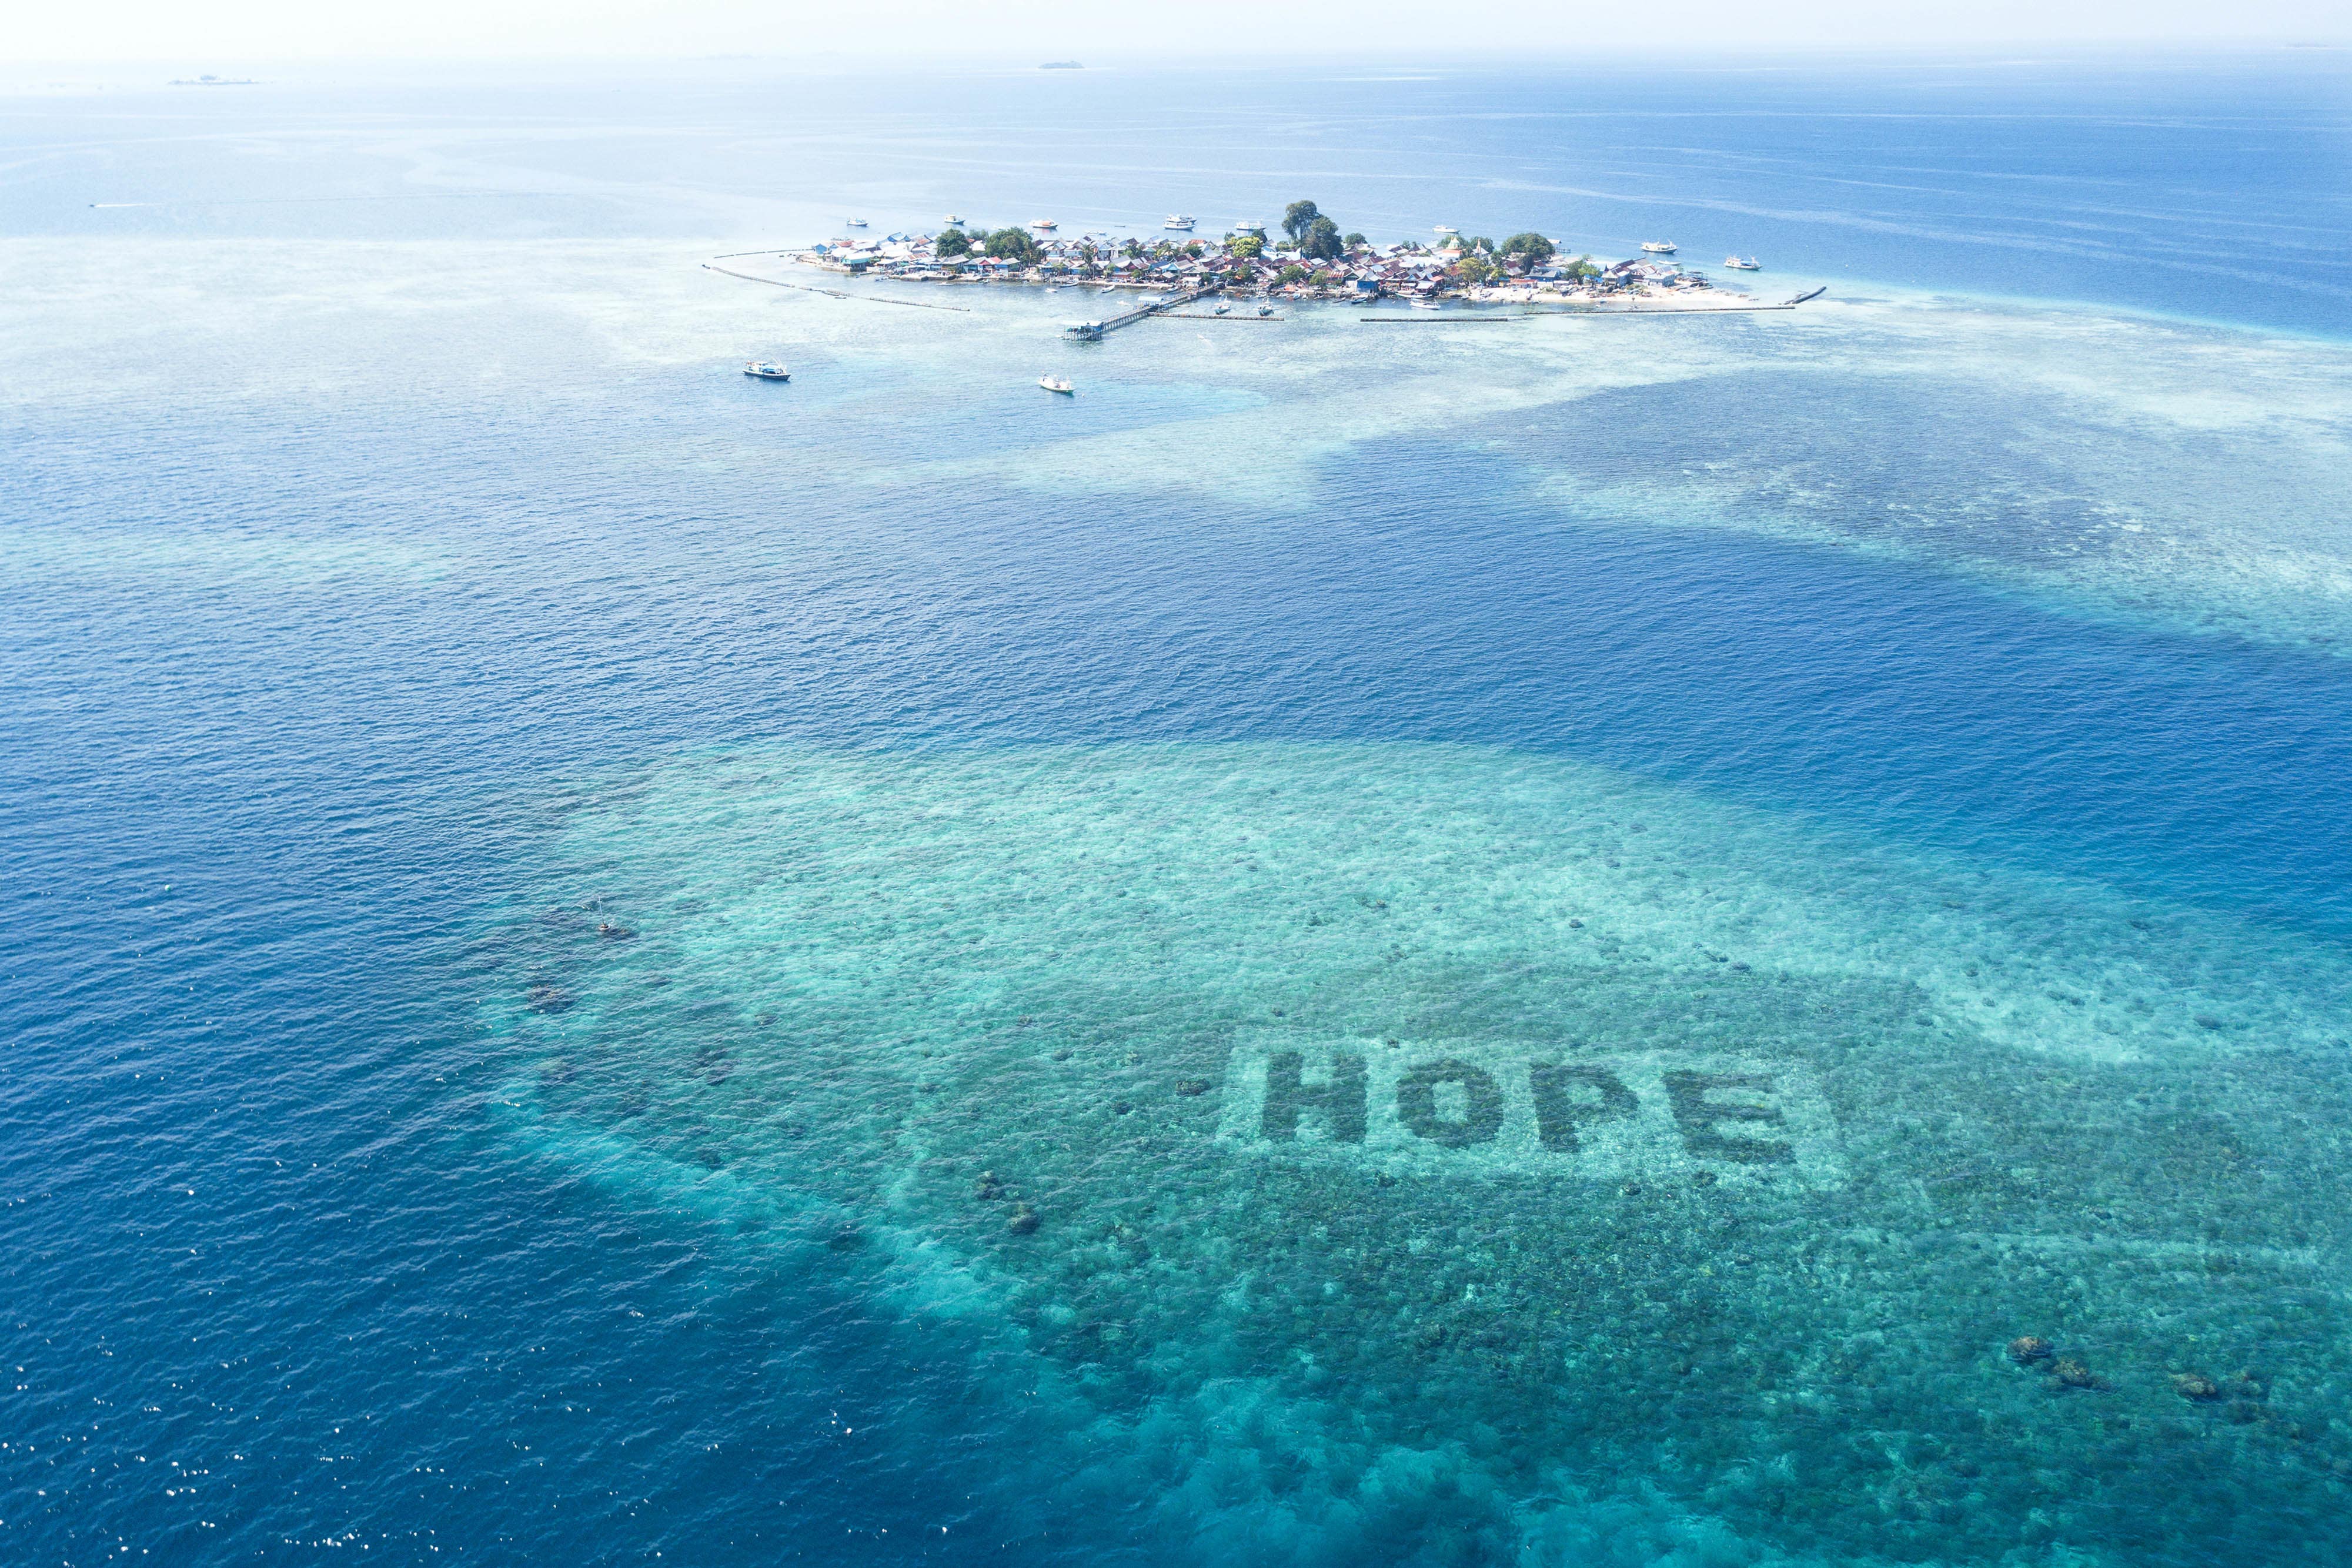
x=1308 y=259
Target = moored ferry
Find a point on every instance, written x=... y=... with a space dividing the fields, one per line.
x=1179 y=221
x=1659 y=247
x=1750 y=265
x=1044 y=223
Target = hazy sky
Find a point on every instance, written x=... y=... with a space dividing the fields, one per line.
x=234 y=34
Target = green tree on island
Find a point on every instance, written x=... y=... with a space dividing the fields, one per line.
x=1014 y=245
x=1296 y=216
x=1321 y=241
x=1355 y=242
x=953 y=243
x=1291 y=274
x=1245 y=245
x=1534 y=247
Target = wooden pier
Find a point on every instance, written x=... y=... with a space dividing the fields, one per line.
x=1093 y=331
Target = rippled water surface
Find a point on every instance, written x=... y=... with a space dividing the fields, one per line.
x=1696 y=941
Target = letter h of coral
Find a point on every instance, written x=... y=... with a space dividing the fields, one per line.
x=1340 y=1097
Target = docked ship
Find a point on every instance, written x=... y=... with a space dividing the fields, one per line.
x=1750 y=265
x=1659 y=247
x=1179 y=221
x=763 y=370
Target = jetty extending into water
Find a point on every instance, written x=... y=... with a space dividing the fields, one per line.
x=1093 y=331
x=833 y=292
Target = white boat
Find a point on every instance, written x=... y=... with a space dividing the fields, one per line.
x=1044 y=223
x=1659 y=247
x=1265 y=310
x=954 y=220
x=1058 y=385
x=763 y=370
x=1444 y=229
x=1427 y=305
x=1249 y=228
x=1179 y=221
x=1750 y=265
x=1221 y=310
x=855 y=222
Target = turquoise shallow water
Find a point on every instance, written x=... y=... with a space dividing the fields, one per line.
x=1337 y=951
x=1340 y=1138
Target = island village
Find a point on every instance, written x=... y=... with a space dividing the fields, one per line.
x=1305 y=258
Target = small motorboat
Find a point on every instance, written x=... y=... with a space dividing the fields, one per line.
x=954 y=220
x=1750 y=265
x=1427 y=305
x=1265 y=310
x=855 y=222
x=761 y=370
x=1446 y=229
x=1042 y=223
x=1221 y=310
x=1659 y=247
x=1058 y=385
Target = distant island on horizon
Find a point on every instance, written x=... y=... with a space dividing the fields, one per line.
x=1061 y=66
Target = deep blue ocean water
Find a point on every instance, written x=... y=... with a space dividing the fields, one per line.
x=370 y=527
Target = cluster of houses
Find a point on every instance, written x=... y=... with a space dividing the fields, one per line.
x=1248 y=262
